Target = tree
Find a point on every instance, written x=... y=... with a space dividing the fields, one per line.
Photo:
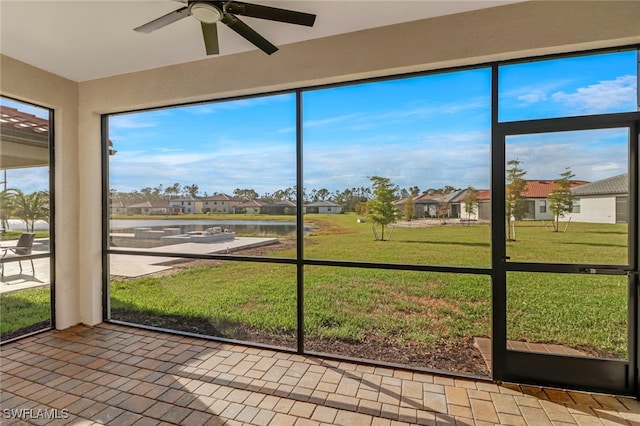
x=350 y=198
x=28 y=207
x=191 y=190
x=442 y=211
x=361 y=208
x=157 y=192
x=470 y=202
x=515 y=206
x=561 y=198
x=147 y=192
x=381 y=210
x=447 y=189
x=245 y=194
x=321 y=194
x=409 y=208
x=6 y=208
x=172 y=190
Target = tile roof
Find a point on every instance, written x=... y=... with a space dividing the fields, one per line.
x=322 y=204
x=180 y=199
x=151 y=204
x=542 y=188
x=220 y=197
x=433 y=198
x=612 y=185
x=484 y=194
x=251 y=203
x=283 y=203
x=22 y=120
x=459 y=198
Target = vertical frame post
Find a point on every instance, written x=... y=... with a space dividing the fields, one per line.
x=104 y=152
x=498 y=244
x=299 y=226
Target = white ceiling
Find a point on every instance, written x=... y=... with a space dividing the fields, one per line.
x=88 y=39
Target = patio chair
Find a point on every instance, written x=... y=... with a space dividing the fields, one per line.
x=21 y=249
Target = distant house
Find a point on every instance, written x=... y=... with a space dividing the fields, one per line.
x=322 y=207
x=426 y=205
x=603 y=201
x=481 y=209
x=220 y=203
x=484 y=204
x=117 y=207
x=186 y=205
x=537 y=193
x=152 y=207
x=249 y=207
x=280 y=207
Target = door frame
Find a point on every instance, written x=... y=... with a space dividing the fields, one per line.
x=605 y=375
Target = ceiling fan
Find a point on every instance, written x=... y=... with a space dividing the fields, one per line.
x=211 y=12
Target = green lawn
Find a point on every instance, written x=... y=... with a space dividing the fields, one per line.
x=402 y=307
x=22 y=309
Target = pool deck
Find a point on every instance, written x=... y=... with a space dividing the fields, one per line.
x=136 y=266
x=125 y=265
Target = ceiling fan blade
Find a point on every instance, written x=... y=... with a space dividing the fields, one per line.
x=165 y=20
x=247 y=32
x=210 y=36
x=270 y=13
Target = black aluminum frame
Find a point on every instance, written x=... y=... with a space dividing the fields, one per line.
x=605 y=375
x=506 y=365
x=52 y=229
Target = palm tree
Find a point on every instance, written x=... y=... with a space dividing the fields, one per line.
x=28 y=207
x=6 y=208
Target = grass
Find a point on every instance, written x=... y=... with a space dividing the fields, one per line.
x=22 y=309
x=400 y=307
x=14 y=235
x=581 y=311
x=405 y=307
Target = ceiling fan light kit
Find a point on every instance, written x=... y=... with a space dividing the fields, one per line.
x=211 y=12
x=205 y=12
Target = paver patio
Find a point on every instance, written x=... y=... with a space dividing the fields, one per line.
x=112 y=374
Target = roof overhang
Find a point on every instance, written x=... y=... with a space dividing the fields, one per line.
x=24 y=139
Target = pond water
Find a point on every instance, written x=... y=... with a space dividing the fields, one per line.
x=240 y=227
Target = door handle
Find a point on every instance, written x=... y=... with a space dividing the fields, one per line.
x=606 y=271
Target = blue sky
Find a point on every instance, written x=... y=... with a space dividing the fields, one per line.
x=427 y=131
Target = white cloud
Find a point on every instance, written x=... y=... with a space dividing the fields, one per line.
x=427 y=160
x=608 y=166
x=532 y=94
x=331 y=120
x=537 y=95
x=604 y=96
x=134 y=121
x=591 y=155
x=29 y=179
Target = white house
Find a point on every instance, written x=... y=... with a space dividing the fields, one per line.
x=603 y=201
x=186 y=205
x=322 y=207
x=249 y=207
x=220 y=203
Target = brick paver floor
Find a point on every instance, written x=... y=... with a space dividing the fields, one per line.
x=111 y=374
